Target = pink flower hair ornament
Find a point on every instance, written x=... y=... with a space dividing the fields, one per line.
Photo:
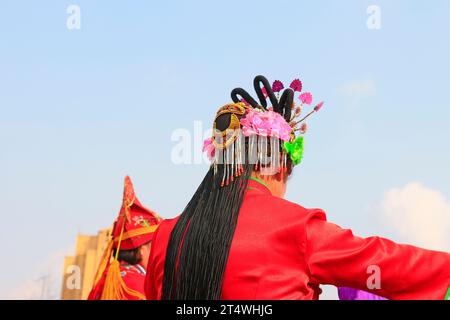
x=209 y=148
x=277 y=86
x=266 y=124
x=296 y=85
x=306 y=98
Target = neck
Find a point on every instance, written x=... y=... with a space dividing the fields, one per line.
x=275 y=183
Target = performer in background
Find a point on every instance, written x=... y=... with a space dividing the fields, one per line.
x=121 y=272
x=238 y=238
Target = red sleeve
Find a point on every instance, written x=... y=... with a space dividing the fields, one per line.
x=335 y=256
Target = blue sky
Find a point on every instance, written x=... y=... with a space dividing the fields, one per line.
x=80 y=109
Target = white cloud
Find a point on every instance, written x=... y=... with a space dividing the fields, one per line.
x=419 y=215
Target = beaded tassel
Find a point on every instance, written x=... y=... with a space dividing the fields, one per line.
x=232 y=162
x=239 y=155
x=226 y=173
x=224 y=170
x=236 y=156
x=273 y=155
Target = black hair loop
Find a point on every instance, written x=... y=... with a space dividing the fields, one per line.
x=286 y=100
x=236 y=92
x=273 y=99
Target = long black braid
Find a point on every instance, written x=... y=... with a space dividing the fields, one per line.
x=203 y=234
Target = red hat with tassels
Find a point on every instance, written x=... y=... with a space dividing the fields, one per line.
x=136 y=224
x=134 y=227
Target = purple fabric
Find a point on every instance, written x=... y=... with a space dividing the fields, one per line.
x=355 y=294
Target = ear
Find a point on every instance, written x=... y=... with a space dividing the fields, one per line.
x=280 y=176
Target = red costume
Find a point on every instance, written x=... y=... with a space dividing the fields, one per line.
x=281 y=250
x=278 y=250
x=133 y=228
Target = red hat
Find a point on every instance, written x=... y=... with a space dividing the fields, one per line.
x=135 y=224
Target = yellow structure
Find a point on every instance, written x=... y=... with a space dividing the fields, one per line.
x=79 y=270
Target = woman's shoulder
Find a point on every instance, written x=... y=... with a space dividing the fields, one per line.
x=308 y=212
x=283 y=208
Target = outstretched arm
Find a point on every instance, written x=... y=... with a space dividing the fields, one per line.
x=337 y=257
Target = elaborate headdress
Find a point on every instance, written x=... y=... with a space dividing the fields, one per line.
x=264 y=126
x=133 y=227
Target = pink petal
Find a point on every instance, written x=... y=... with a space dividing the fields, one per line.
x=306 y=98
x=277 y=86
x=317 y=108
x=296 y=85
